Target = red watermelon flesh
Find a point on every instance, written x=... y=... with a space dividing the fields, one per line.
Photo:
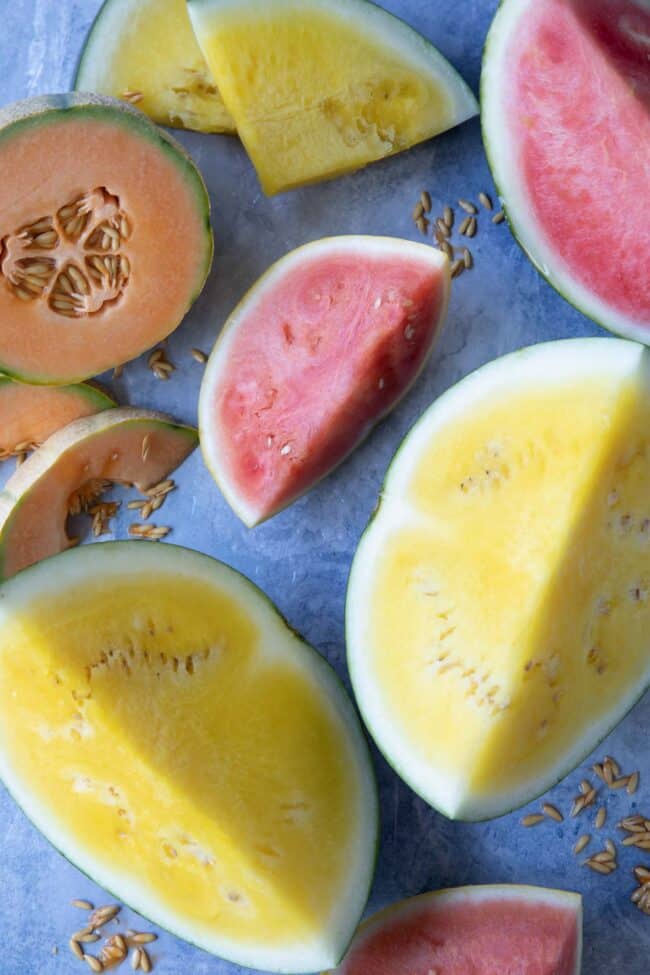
x=578 y=96
x=504 y=930
x=320 y=349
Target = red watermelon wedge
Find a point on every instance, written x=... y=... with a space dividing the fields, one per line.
x=321 y=347
x=565 y=94
x=491 y=930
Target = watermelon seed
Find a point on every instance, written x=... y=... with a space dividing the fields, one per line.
x=144 y=938
x=381 y=383
x=485 y=201
x=425 y=201
x=377 y=302
x=583 y=841
x=499 y=217
x=467 y=207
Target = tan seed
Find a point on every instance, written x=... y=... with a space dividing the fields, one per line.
x=199 y=355
x=145 y=961
x=642 y=874
x=613 y=764
x=603 y=857
x=132 y=96
x=471 y=227
x=464 y=225
x=583 y=841
x=144 y=938
x=425 y=200
x=418 y=211
x=101 y=915
x=468 y=260
x=604 y=868
x=48 y=239
x=422 y=224
x=135 y=959
x=632 y=783
x=620 y=783
x=609 y=846
x=467 y=206
x=601 y=816
x=457 y=267
x=88 y=939
x=499 y=217
x=442 y=228
x=82 y=905
x=447 y=249
x=485 y=201
x=94 y=964
x=117 y=372
x=23 y=294
x=448 y=217
x=145 y=447
x=553 y=812
x=76 y=948
x=534 y=819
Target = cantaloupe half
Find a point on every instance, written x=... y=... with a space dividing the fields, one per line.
x=173 y=737
x=30 y=414
x=145 y=51
x=322 y=87
x=498 y=613
x=105 y=236
x=125 y=444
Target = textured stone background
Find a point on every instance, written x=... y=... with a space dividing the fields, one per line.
x=302 y=556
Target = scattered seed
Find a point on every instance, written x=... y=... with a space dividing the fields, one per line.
x=534 y=819
x=425 y=200
x=447 y=249
x=442 y=228
x=472 y=227
x=553 y=812
x=485 y=201
x=145 y=961
x=418 y=211
x=101 y=915
x=604 y=868
x=88 y=939
x=135 y=959
x=632 y=783
x=94 y=964
x=583 y=841
x=457 y=268
x=609 y=846
x=585 y=787
x=144 y=938
x=422 y=224
x=620 y=783
x=199 y=355
x=448 y=217
x=642 y=874
x=499 y=217
x=76 y=948
x=467 y=206
x=468 y=260
x=601 y=816
x=464 y=225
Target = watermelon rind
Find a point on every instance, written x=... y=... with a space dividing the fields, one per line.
x=563 y=360
x=505 y=173
x=218 y=363
x=121 y=559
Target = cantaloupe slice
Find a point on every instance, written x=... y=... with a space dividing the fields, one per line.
x=105 y=236
x=124 y=444
x=30 y=414
x=171 y=735
x=322 y=87
x=145 y=51
x=498 y=615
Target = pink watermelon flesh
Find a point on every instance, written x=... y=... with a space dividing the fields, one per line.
x=580 y=90
x=451 y=935
x=326 y=351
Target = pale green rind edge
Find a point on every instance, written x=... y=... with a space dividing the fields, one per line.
x=332 y=681
x=632 y=334
x=48 y=109
x=356 y=566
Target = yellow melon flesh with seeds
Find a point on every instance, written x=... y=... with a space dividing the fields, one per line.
x=323 y=87
x=172 y=736
x=499 y=604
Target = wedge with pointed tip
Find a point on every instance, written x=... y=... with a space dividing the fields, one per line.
x=124 y=444
x=30 y=414
x=145 y=52
x=317 y=88
x=319 y=350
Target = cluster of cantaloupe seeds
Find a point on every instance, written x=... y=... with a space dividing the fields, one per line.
x=637 y=826
x=116 y=947
x=87 y=500
x=442 y=227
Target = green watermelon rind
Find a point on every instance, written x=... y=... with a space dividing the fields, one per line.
x=325 y=676
x=214 y=369
x=515 y=892
x=568 y=290
x=580 y=350
x=47 y=110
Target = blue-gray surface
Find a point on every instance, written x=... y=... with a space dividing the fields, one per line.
x=301 y=558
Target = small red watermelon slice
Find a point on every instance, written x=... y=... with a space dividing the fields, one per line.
x=491 y=930
x=322 y=347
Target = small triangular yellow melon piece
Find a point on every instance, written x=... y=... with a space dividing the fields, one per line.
x=322 y=87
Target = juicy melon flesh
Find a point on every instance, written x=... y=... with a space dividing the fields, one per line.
x=499 y=608
x=478 y=930
x=125 y=445
x=317 y=352
x=320 y=88
x=145 y=50
x=30 y=414
x=567 y=124
x=172 y=736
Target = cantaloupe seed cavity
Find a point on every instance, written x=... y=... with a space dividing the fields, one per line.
x=72 y=259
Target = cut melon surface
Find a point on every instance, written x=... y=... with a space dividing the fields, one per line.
x=318 y=351
x=125 y=444
x=482 y=930
x=498 y=611
x=105 y=237
x=30 y=414
x=174 y=738
x=145 y=52
x=565 y=95
x=323 y=87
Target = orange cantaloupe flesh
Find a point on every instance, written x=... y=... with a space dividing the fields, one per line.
x=30 y=414
x=50 y=156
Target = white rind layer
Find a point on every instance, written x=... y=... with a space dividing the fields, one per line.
x=121 y=560
x=547 y=364
x=502 y=153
